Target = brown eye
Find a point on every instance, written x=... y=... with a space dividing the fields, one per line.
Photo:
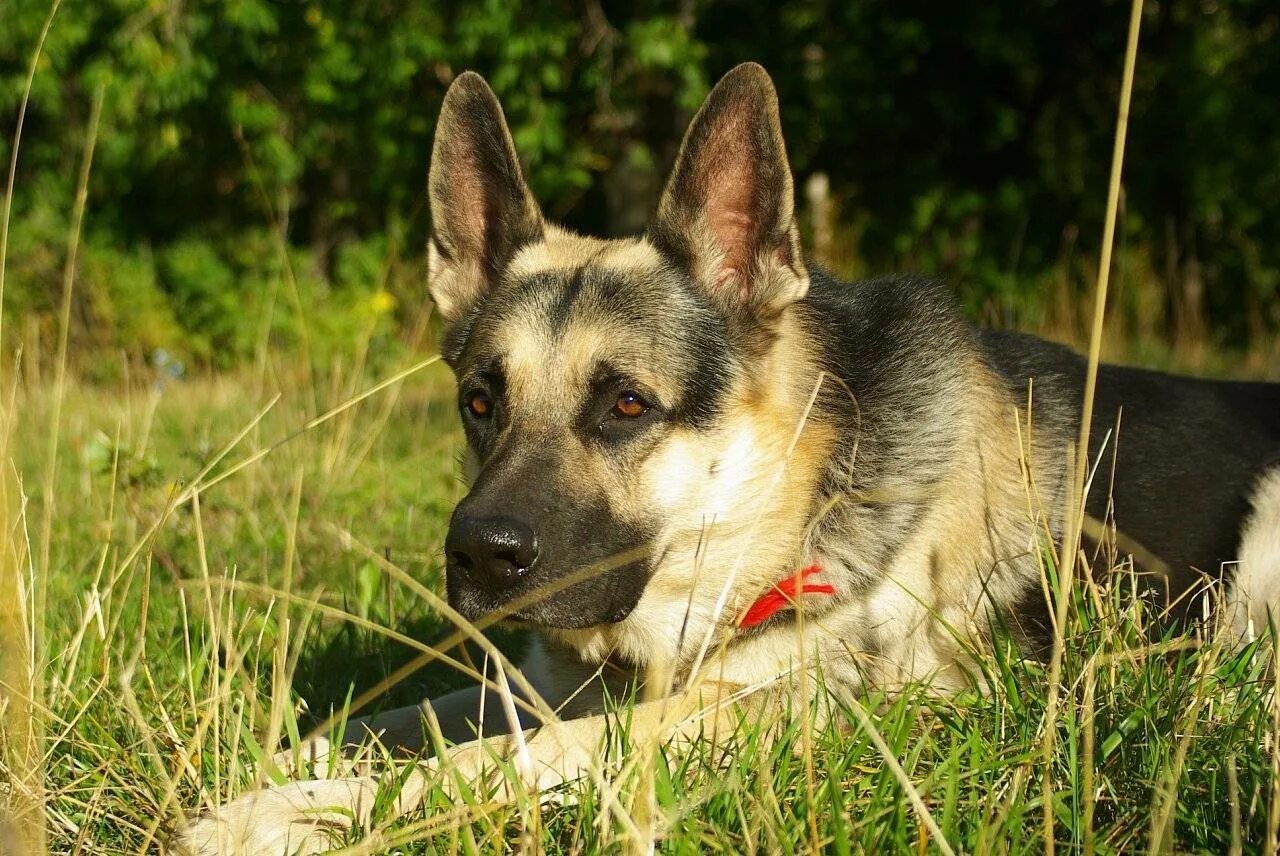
x=479 y=405
x=629 y=406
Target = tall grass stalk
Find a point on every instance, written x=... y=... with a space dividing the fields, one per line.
x=64 y=334
x=22 y=800
x=23 y=803
x=35 y=631
x=1075 y=516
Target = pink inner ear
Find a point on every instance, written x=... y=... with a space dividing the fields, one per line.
x=467 y=209
x=732 y=226
x=728 y=183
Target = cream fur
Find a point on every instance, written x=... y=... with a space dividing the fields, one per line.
x=1255 y=596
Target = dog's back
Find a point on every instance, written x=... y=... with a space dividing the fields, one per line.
x=1176 y=462
x=1177 y=458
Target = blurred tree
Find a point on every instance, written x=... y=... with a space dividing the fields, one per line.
x=972 y=140
x=975 y=139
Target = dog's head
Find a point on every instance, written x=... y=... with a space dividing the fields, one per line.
x=630 y=406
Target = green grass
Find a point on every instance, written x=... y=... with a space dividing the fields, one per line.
x=159 y=685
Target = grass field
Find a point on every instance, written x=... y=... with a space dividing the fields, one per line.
x=187 y=621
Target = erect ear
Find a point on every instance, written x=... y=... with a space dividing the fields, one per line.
x=727 y=212
x=481 y=210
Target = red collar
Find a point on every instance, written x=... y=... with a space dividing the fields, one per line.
x=783 y=595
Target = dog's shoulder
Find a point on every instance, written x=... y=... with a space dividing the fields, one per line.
x=881 y=320
x=887 y=311
x=1020 y=356
x=878 y=334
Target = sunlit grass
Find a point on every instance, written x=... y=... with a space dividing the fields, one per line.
x=162 y=687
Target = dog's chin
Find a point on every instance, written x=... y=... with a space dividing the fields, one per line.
x=553 y=616
x=543 y=614
x=556 y=612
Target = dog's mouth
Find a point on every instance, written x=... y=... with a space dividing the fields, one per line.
x=538 y=616
x=549 y=601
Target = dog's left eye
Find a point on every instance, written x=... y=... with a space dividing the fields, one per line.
x=479 y=404
x=629 y=406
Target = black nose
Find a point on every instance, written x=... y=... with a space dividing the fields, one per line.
x=493 y=551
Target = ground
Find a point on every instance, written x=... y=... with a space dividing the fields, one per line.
x=182 y=632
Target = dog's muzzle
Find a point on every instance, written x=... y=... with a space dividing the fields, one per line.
x=492 y=553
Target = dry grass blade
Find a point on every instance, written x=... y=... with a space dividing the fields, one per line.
x=22 y=797
x=24 y=641
x=1075 y=511
x=436 y=653
x=64 y=333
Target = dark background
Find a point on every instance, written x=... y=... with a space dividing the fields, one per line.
x=260 y=166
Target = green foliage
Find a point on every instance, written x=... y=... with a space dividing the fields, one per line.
x=972 y=141
x=977 y=138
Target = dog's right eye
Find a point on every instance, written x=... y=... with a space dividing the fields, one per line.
x=479 y=404
x=629 y=406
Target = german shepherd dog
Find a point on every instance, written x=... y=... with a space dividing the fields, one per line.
x=693 y=454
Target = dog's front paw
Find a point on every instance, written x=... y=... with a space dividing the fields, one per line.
x=313 y=759
x=300 y=817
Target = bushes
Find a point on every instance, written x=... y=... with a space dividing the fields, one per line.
x=968 y=140
x=214 y=304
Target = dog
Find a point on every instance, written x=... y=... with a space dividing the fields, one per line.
x=761 y=469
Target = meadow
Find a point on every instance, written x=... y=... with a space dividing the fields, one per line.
x=226 y=556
